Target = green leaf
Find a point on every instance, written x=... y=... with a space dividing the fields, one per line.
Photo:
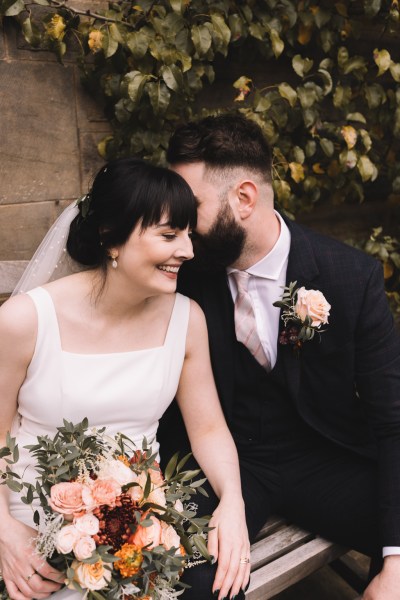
x=342 y=96
x=116 y=33
x=221 y=29
x=201 y=546
x=356 y=116
x=395 y=71
x=301 y=66
x=170 y=468
x=172 y=76
x=372 y=7
x=201 y=38
x=110 y=45
x=133 y=83
x=137 y=43
x=177 y=5
x=159 y=96
x=327 y=146
x=15 y=8
x=382 y=60
x=257 y=31
x=276 y=42
x=357 y=63
x=287 y=92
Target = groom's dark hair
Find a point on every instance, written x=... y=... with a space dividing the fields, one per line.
x=221 y=142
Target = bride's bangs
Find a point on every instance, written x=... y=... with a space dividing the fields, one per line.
x=170 y=198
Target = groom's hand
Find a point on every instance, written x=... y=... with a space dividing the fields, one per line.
x=386 y=585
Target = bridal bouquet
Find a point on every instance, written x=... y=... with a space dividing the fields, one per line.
x=107 y=516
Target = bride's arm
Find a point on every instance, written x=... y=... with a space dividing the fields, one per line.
x=215 y=451
x=17 y=558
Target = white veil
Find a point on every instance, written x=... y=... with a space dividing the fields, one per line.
x=51 y=260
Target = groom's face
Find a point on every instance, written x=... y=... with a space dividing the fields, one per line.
x=219 y=238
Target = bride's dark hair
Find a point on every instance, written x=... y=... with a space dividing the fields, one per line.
x=127 y=192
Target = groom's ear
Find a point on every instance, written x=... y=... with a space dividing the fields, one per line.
x=247 y=194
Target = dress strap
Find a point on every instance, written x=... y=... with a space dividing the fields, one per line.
x=178 y=324
x=48 y=336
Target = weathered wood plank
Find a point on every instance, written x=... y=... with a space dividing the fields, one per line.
x=10 y=272
x=279 y=543
x=278 y=575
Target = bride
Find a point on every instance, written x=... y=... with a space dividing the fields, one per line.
x=114 y=342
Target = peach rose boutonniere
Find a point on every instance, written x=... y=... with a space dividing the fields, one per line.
x=304 y=312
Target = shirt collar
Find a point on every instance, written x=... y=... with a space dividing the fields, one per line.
x=271 y=265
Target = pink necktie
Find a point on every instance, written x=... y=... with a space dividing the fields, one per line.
x=245 y=320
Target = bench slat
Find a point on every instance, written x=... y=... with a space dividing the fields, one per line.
x=279 y=543
x=278 y=575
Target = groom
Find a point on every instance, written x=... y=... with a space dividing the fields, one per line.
x=317 y=422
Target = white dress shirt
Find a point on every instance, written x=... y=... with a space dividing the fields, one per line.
x=266 y=283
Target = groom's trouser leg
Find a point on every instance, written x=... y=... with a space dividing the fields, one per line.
x=258 y=509
x=331 y=491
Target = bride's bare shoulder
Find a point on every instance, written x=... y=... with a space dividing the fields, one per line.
x=18 y=318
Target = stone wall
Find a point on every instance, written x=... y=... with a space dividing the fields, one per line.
x=49 y=129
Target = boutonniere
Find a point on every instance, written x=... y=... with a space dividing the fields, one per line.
x=303 y=313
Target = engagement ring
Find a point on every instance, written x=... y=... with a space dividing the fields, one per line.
x=31 y=575
x=244 y=561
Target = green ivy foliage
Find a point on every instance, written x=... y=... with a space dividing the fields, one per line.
x=333 y=120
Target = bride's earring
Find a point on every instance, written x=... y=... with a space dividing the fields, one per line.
x=114 y=256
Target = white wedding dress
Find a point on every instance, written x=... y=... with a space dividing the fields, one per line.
x=124 y=391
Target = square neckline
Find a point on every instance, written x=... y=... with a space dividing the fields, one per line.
x=105 y=354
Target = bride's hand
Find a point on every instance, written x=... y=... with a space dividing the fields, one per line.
x=229 y=544
x=26 y=574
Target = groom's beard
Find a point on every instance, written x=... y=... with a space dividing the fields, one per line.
x=222 y=245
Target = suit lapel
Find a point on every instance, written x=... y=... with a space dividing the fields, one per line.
x=218 y=307
x=303 y=269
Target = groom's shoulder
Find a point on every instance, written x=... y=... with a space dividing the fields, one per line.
x=331 y=251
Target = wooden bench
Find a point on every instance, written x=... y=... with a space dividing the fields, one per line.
x=283 y=553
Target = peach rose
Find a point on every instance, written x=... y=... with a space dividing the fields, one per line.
x=147 y=536
x=66 y=498
x=116 y=469
x=91 y=577
x=312 y=303
x=100 y=492
x=169 y=537
x=65 y=539
x=83 y=547
x=156 y=475
x=157 y=495
x=178 y=506
x=87 y=524
x=136 y=491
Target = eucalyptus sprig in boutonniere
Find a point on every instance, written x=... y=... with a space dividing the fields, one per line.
x=303 y=313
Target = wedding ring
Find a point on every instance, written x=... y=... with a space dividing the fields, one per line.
x=244 y=561
x=30 y=576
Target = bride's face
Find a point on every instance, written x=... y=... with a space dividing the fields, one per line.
x=152 y=257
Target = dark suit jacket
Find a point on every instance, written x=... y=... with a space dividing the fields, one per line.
x=346 y=382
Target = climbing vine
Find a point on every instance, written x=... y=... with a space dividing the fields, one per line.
x=329 y=105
